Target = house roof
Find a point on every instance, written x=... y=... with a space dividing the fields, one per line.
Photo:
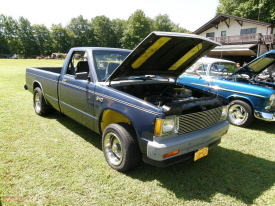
x=222 y=17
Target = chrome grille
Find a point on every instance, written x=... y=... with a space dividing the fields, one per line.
x=199 y=120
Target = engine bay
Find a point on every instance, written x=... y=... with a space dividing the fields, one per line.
x=173 y=99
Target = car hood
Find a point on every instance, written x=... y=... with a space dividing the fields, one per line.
x=258 y=65
x=163 y=54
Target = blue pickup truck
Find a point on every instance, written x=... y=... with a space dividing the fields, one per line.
x=131 y=98
x=249 y=96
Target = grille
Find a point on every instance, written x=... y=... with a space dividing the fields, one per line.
x=199 y=120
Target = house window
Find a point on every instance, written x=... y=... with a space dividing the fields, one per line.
x=249 y=31
x=212 y=34
x=223 y=33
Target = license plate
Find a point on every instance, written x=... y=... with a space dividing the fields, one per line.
x=202 y=152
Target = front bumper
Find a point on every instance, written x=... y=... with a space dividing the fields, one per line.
x=186 y=144
x=265 y=115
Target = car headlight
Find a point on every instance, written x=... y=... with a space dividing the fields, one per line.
x=224 y=113
x=272 y=97
x=272 y=100
x=166 y=126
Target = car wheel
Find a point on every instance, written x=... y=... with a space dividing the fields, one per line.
x=240 y=113
x=120 y=147
x=39 y=104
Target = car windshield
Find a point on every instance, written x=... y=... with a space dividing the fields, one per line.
x=216 y=69
x=106 y=61
x=222 y=69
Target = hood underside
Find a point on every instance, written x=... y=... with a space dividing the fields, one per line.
x=163 y=54
x=258 y=65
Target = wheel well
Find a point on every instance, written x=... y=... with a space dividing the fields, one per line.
x=111 y=116
x=241 y=99
x=36 y=84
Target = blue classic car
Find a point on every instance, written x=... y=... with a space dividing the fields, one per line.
x=248 y=97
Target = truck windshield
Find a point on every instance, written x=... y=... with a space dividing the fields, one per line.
x=106 y=61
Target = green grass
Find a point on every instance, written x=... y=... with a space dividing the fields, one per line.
x=56 y=161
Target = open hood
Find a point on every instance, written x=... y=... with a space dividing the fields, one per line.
x=163 y=54
x=258 y=65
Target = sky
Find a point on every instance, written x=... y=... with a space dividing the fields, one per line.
x=188 y=14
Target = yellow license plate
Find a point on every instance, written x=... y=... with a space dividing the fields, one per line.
x=202 y=152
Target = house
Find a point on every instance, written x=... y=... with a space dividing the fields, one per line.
x=242 y=39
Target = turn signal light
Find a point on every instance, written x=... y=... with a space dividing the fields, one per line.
x=171 y=154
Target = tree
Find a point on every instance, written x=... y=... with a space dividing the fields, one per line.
x=82 y=31
x=4 y=48
x=118 y=27
x=177 y=28
x=26 y=37
x=138 y=27
x=104 y=33
x=62 y=38
x=9 y=33
x=43 y=39
x=261 y=10
x=162 y=23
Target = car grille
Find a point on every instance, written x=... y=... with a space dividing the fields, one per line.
x=199 y=120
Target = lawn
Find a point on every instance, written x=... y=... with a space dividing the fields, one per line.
x=56 y=161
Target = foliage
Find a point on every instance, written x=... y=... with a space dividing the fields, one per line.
x=20 y=37
x=54 y=160
x=118 y=27
x=43 y=39
x=103 y=31
x=82 y=31
x=62 y=38
x=162 y=23
x=261 y=10
x=137 y=29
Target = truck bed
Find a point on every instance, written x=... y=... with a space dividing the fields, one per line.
x=50 y=69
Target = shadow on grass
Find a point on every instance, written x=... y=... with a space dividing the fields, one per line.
x=77 y=128
x=238 y=175
x=224 y=171
x=262 y=125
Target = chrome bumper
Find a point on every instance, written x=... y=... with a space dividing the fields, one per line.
x=186 y=143
x=265 y=116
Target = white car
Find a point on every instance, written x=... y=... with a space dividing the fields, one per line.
x=207 y=66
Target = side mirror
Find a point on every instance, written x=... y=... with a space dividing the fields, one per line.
x=81 y=75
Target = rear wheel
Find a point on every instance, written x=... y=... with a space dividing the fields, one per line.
x=39 y=103
x=240 y=113
x=120 y=147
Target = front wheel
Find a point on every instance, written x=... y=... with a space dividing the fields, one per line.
x=240 y=113
x=120 y=147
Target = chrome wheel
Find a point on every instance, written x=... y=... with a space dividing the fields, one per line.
x=237 y=114
x=240 y=113
x=112 y=149
x=37 y=103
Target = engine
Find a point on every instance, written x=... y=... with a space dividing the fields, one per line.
x=158 y=94
x=173 y=99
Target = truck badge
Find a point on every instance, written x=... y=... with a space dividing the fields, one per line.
x=99 y=99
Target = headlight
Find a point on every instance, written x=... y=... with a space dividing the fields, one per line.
x=224 y=113
x=272 y=99
x=166 y=126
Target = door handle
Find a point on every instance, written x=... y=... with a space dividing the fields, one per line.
x=64 y=80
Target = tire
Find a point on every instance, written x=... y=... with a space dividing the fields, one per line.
x=120 y=147
x=39 y=103
x=240 y=113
